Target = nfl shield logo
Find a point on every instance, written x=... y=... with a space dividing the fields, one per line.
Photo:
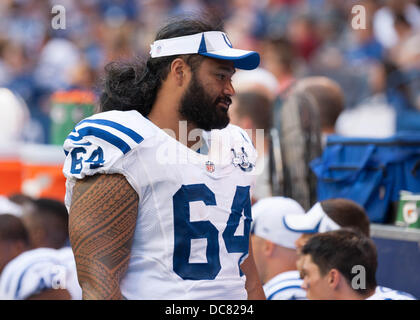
x=210 y=166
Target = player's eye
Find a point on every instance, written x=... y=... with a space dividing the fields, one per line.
x=221 y=76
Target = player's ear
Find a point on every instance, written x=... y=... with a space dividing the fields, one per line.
x=179 y=71
x=268 y=248
x=333 y=278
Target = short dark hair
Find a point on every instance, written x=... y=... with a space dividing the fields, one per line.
x=257 y=107
x=133 y=85
x=54 y=217
x=329 y=100
x=20 y=198
x=285 y=52
x=348 y=214
x=342 y=250
x=12 y=229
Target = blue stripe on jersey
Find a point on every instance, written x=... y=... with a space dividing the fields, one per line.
x=41 y=286
x=21 y=277
x=243 y=136
x=101 y=134
x=82 y=144
x=282 y=289
x=129 y=132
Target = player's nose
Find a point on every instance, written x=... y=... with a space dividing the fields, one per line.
x=228 y=89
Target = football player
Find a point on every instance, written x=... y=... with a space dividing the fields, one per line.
x=334 y=214
x=42 y=273
x=274 y=248
x=341 y=264
x=165 y=214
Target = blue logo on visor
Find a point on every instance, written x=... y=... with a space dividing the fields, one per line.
x=227 y=40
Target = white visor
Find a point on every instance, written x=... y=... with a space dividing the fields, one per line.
x=314 y=221
x=213 y=44
x=268 y=214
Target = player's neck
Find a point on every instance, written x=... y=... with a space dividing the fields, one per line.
x=168 y=120
x=165 y=115
x=347 y=293
x=277 y=269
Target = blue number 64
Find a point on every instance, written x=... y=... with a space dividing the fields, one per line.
x=185 y=230
x=95 y=160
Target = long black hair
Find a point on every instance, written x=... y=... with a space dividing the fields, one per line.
x=133 y=85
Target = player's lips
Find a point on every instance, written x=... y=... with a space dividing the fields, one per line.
x=224 y=103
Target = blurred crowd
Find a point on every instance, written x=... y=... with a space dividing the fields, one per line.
x=362 y=82
x=377 y=65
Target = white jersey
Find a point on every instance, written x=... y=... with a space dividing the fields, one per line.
x=285 y=286
x=192 y=229
x=383 y=293
x=36 y=270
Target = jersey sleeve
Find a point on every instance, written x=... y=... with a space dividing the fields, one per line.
x=97 y=144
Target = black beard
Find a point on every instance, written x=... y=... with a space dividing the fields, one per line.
x=198 y=107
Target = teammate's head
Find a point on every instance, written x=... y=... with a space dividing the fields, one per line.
x=273 y=244
x=20 y=199
x=327 y=96
x=339 y=264
x=47 y=223
x=183 y=43
x=328 y=215
x=13 y=238
x=279 y=56
x=252 y=110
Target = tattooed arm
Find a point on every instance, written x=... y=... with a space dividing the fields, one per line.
x=102 y=221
